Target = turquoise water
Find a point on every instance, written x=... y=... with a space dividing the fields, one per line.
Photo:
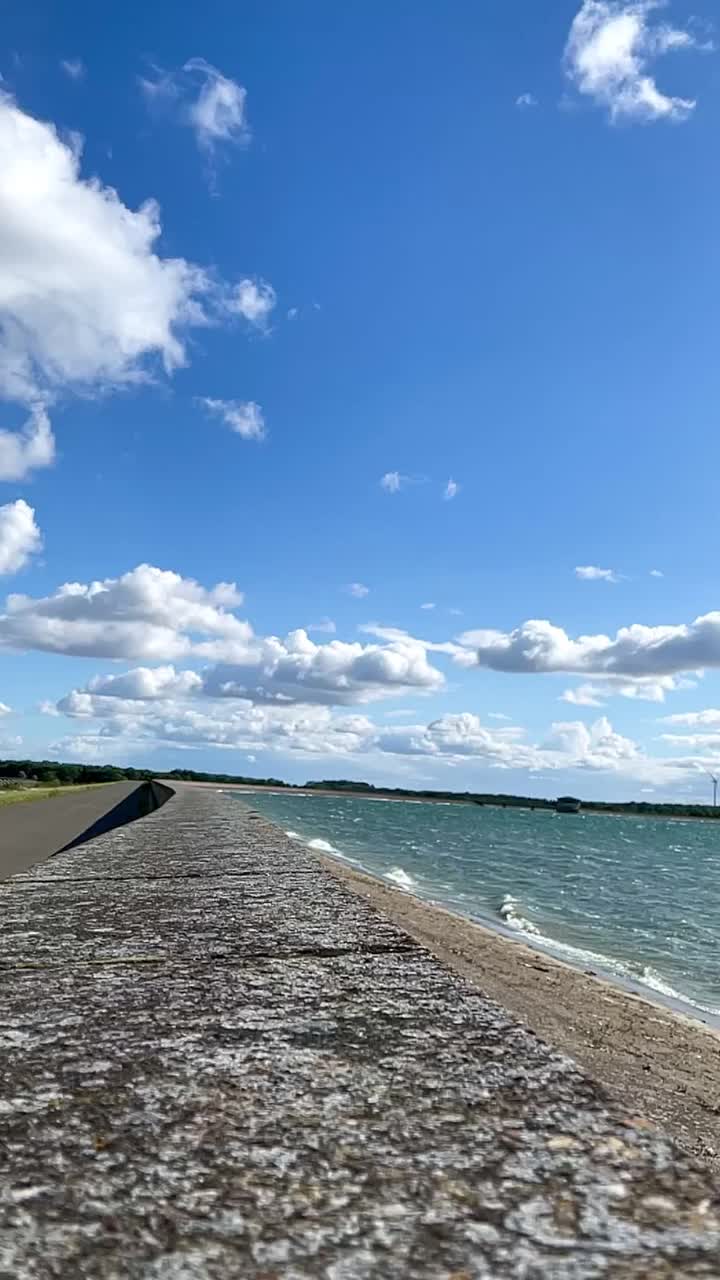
x=637 y=898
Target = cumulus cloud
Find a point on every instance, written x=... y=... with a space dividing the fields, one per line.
x=458 y=736
x=392 y=481
x=337 y=673
x=252 y=299
x=307 y=731
x=86 y=303
x=148 y=613
x=609 y=50
x=636 y=652
x=209 y=103
x=656 y=573
x=146 y=683
x=526 y=100
x=19 y=536
x=84 y=299
x=244 y=417
x=451 y=490
x=74 y=68
x=131 y=710
x=358 y=590
x=5 y=710
x=591 y=573
x=29 y=449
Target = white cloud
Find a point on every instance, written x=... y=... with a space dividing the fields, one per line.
x=609 y=49
x=29 y=449
x=325 y=625
x=636 y=652
x=74 y=68
x=191 y=722
x=358 y=590
x=216 y=111
x=85 y=302
x=154 y=615
x=147 y=614
x=146 y=683
x=693 y=741
x=586 y=695
x=429 y=605
x=245 y=417
x=252 y=299
x=5 y=710
x=19 y=536
x=656 y=573
x=392 y=481
x=709 y=718
x=526 y=100
x=498 y=715
x=452 y=489
x=337 y=673
x=307 y=731
x=591 y=573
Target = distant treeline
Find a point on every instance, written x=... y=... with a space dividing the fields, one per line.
x=55 y=773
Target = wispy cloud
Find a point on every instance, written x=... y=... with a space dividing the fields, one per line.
x=591 y=573
x=609 y=50
x=393 y=481
x=451 y=490
x=326 y=626
x=211 y=104
x=73 y=67
x=526 y=100
x=656 y=573
x=252 y=299
x=245 y=417
x=429 y=605
x=357 y=589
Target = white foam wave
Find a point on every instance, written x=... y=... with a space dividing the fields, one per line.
x=651 y=978
x=582 y=957
x=401 y=878
x=293 y=835
x=508 y=909
x=323 y=846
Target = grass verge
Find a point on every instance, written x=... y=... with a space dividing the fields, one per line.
x=23 y=796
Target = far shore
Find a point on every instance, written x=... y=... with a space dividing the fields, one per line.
x=449 y=799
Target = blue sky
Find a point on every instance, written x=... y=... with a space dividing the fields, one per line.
x=388 y=250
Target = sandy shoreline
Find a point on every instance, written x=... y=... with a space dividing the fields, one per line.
x=658 y=1064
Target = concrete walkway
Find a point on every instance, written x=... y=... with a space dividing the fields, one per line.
x=218 y=1062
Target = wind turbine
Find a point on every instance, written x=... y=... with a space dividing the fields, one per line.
x=714 y=781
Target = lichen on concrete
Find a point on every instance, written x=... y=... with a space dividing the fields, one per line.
x=219 y=1062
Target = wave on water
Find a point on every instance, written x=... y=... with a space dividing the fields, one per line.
x=508 y=910
x=651 y=978
x=293 y=835
x=401 y=878
x=323 y=846
x=580 y=957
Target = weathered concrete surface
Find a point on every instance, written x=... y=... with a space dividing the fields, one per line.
x=37 y=829
x=226 y=1065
